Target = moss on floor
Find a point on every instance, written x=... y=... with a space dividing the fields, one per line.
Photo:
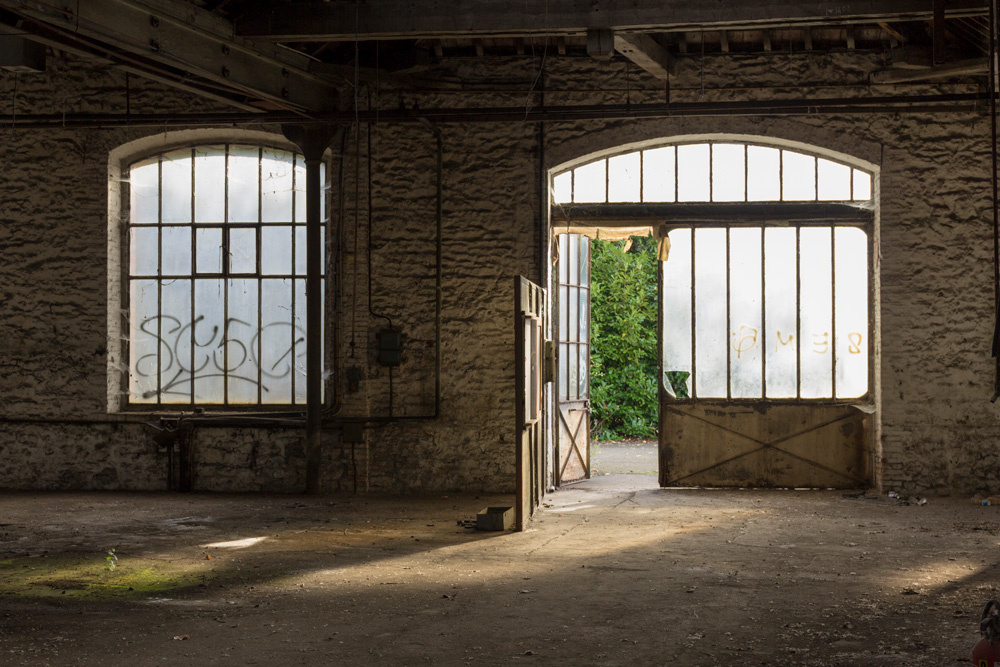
x=88 y=576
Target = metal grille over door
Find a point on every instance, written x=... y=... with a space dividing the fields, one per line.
x=574 y=358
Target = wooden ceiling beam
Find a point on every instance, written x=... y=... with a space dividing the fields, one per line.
x=319 y=20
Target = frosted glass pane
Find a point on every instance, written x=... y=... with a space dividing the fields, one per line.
x=143 y=251
x=142 y=363
x=692 y=173
x=208 y=250
x=563 y=313
x=746 y=369
x=862 y=186
x=676 y=293
x=209 y=309
x=584 y=375
x=834 y=181
x=144 y=192
x=176 y=259
x=210 y=184
x=244 y=183
x=780 y=313
x=563 y=371
x=241 y=337
x=584 y=261
x=584 y=315
x=574 y=371
x=798 y=176
x=242 y=250
x=300 y=189
x=623 y=178
x=658 y=182
x=589 y=183
x=176 y=334
x=763 y=174
x=301 y=259
x=562 y=188
x=276 y=340
x=816 y=299
x=276 y=186
x=276 y=251
x=298 y=343
x=573 y=257
x=563 y=257
x=176 y=186
x=710 y=313
x=574 y=324
x=852 y=311
x=728 y=172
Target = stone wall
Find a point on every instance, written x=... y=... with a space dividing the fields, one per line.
x=938 y=427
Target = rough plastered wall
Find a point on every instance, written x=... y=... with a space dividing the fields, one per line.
x=938 y=427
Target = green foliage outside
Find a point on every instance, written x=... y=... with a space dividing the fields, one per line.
x=623 y=354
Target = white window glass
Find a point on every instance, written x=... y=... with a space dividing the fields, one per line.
x=710 y=313
x=677 y=315
x=693 y=182
x=144 y=192
x=728 y=172
x=203 y=314
x=144 y=255
x=276 y=170
x=623 y=178
x=277 y=336
x=798 y=176
x=210 y=184
x=763 y=174
x=834 y=181
x=781 y=342
x=209 y=318
x=176 y=255
x=562 y=188
x=851 y=314
x=241 y=337
x=243 y=250
x=658 y=179
x=862 y=186
x=746 y=368
x=244 y=183
x=816 y=302
x=143 y=341
x=175 y=201
x=590 y=183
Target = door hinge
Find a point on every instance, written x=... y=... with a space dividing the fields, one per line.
x=549 y=366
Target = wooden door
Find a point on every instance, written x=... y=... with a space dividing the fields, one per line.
x=529 y=310
x=573 y=381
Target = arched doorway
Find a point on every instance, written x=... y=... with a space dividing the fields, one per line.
x=767 y=339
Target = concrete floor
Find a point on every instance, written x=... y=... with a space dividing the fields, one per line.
x=624 y=458
x=612 y=571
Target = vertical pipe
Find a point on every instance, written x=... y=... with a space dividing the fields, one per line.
x=996 y=210
x=314 y=322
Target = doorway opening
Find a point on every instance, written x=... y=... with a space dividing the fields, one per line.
x=766 y=343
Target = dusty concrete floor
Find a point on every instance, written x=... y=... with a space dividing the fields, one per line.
x=613 y=571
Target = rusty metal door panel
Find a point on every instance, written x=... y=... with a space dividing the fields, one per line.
x=763 y=446
x=529 y=310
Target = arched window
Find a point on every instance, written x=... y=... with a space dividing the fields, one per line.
x=215 y=263
x=765 y=289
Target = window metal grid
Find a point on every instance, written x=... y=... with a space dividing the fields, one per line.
x=223 y=218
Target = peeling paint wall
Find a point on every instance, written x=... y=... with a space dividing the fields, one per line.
x=939 y=429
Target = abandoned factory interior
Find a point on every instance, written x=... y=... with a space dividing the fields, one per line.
x=299 y=331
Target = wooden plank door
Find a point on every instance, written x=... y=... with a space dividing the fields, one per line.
x=573 y=397
x=529 y=311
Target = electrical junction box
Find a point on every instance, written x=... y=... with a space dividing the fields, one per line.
x=390 y=347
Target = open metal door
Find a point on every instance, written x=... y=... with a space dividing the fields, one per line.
x=529 y=309
x=573 y=397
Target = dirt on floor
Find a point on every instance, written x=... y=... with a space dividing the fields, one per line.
x=612 y=571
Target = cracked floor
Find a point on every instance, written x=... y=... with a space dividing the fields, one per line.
x=612 y=571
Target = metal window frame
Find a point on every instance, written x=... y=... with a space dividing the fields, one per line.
x=126 y=277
